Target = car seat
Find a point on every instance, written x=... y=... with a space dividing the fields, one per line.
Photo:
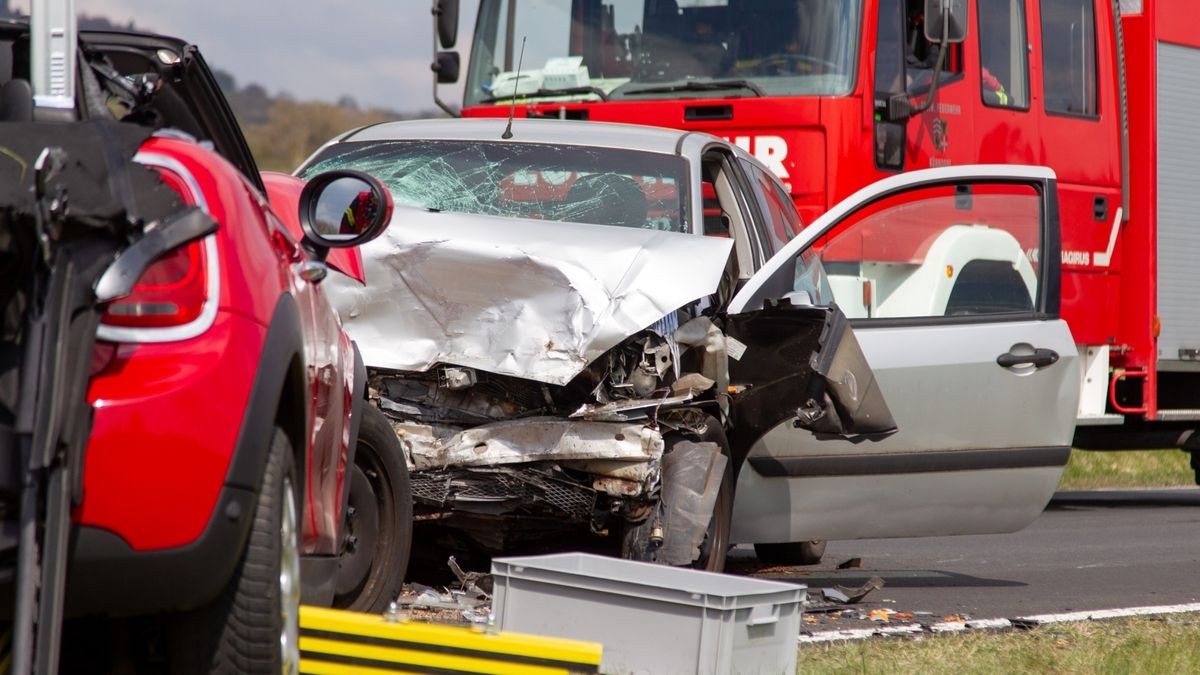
x=16 y=101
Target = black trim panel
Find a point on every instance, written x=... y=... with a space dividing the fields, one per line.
x=358 y=399
x=107 y=576
x=283 y=342
x=901 y=463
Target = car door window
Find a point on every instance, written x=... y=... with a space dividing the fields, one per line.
x=933 y=253
x=782 y=220
x=950 y=250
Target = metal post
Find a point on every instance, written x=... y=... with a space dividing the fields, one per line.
x=53 y=48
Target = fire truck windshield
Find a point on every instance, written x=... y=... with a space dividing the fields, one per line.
x=648 y=49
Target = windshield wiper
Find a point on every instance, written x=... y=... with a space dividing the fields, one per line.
x=563 y=91
x=700 y=85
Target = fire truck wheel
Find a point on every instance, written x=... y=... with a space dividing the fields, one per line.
x=794 y=553
x=377 y=534
x=253 y=626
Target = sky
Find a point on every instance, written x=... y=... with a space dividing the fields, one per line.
x=376 y=51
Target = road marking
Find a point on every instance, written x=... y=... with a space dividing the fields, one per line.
x=1039 y=619
x=861 y=633
x=820 y=637
x=974 y=624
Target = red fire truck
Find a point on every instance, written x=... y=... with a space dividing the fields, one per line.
x=835 y=94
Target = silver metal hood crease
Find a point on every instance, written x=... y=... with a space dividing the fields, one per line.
x=538 y=300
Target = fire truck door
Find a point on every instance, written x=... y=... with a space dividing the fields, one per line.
x=1073 y=61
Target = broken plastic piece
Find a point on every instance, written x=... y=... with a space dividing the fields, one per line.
x=856 y=594
x=471 y=583
x=834 y=595
x=692 y=384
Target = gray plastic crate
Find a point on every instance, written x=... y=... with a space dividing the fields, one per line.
x=651 y=618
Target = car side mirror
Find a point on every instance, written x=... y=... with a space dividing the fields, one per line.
x=445 y=15
x=341 y=209
x=948 y=17
x=446 y=66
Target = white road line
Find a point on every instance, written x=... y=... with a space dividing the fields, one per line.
x=974 y=624
x=819 y=637
x=1039 y=619
x=861 y=633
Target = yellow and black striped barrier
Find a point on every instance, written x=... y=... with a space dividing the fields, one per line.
x=336 y=642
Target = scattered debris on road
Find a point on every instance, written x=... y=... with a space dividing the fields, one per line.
x=469 y=603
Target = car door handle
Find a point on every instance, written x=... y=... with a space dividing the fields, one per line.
x=1039 y=358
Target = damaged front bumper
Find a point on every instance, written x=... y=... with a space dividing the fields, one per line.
x=568 y=470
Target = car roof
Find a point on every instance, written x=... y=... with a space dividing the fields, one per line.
x=550 y=131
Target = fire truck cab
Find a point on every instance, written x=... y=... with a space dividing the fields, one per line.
x=833 y=95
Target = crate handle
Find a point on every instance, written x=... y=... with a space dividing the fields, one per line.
x=762 y=615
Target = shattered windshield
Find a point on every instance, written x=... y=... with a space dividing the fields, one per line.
x=600 y=186
x=647 y=49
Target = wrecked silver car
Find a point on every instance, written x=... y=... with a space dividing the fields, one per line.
x=593 y=329
x=544 y=330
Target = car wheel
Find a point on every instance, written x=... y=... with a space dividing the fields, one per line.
x=377 y=534
x=715 y=546
x=795 y=553
x=254 y=625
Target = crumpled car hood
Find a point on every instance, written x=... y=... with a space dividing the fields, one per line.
x=533 y=299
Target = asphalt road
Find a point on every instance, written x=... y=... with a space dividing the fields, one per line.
x=1087 y=551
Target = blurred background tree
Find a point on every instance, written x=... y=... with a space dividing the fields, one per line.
x=281 y=131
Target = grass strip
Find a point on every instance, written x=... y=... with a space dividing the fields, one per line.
x=1091 y=469
x=1162 y=644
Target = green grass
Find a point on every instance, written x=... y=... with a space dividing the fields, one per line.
x=1169 y=644
x=1090 y=469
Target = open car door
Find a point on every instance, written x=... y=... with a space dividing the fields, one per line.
x=950 y=280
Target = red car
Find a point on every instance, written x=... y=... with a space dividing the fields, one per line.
x=231 y=459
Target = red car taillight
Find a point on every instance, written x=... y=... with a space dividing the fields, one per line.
x=171 y=292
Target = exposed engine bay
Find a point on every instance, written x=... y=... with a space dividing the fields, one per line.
x=482 y=446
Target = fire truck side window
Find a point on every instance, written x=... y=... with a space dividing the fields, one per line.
x=1069 y=56
x=1004 y=64
x=921 y=55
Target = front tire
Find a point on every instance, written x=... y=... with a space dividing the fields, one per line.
x=713 y=549
x=253 y=625
x=378 y=526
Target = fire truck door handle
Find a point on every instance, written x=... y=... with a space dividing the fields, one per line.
x=1100 y=208
x=1039 y=358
